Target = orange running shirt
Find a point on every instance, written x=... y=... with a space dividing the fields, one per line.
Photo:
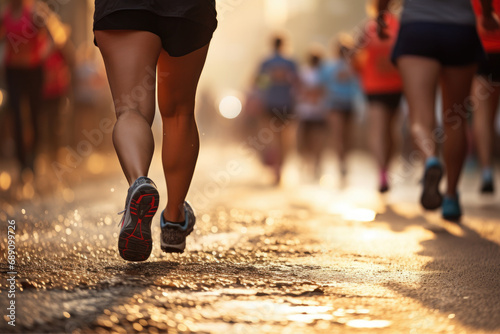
x=378 y=74
x=490 y=39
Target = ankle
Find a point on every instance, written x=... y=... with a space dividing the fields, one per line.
x=383 y=175
x=134 y=177
x=451 y=195
x=175 y=215
x=487 y=173
x=432 y=161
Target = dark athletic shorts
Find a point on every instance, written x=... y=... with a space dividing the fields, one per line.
x=450 y=44
x=179 y=36
x=490 y=67
x=390 y=100
x=345 y=106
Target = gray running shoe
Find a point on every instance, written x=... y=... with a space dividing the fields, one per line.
x=431 y=198
x=173 y=236
x=135 y=242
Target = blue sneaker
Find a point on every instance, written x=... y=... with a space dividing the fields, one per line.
x=173 y=235
x=431 y=198
x=487 y=186
x=135 y=242
x=451 y=208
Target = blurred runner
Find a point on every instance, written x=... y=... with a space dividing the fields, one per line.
x=438 y=44
x=486 y=92
x=277 y=80
x=340 y=84
x=311 y=114
x=382 y=86
x=27 y=46
x=57 y=82
x=135 y=37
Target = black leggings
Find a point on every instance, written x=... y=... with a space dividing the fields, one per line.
x=25 y=83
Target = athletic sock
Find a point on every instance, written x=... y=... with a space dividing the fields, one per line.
x=432 y=161
x=177 y=223
x=487 y=174
x=383 y=176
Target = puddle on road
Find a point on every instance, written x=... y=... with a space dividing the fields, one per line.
x=270 y=311
x=264 y=313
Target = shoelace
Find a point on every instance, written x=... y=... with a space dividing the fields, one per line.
x=120 y=213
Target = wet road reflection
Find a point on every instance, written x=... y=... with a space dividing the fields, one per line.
x=301 y=259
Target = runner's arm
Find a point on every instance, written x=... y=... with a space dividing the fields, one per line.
x=490 y=19
x=2 y=30
x=382 y=7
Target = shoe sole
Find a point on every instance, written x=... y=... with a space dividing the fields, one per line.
x=487 y=189
x=453 y=218
x=135 y=242
x=171 y=248
x=431 y=198
x=174 y=248
x=383 y=189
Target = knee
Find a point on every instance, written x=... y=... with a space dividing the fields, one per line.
x=454 y=120
x=124 y=113
x=176 y=105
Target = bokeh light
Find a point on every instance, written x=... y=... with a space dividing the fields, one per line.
x=230 y=107
x=5 y=180
x=95 y=164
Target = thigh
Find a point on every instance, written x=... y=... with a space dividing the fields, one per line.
x=420 y=77
x=338 y=122
x=335 y=120
x=177 y=81
x=456 y=85
x=379 y=116
x=130 y=57
x=486 y=96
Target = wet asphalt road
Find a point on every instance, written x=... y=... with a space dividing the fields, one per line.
x=295 y=259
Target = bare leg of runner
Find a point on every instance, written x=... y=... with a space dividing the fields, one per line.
x=339 y=121
x=420 y=79
x=486 y=97
x=130 y=58
x=456 y=86
x=177 y=82
x=381 y=123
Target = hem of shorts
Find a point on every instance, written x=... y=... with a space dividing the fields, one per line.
x=341 y=110
x=169 y=53
x=190 y=50
x=460 y=64
x=488 y=76
x=212 y=30
x=389 y=92
x=403 y=23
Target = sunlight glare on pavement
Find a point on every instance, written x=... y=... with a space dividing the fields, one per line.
x=359 y=214
x=350 y=212
x=360 y=323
